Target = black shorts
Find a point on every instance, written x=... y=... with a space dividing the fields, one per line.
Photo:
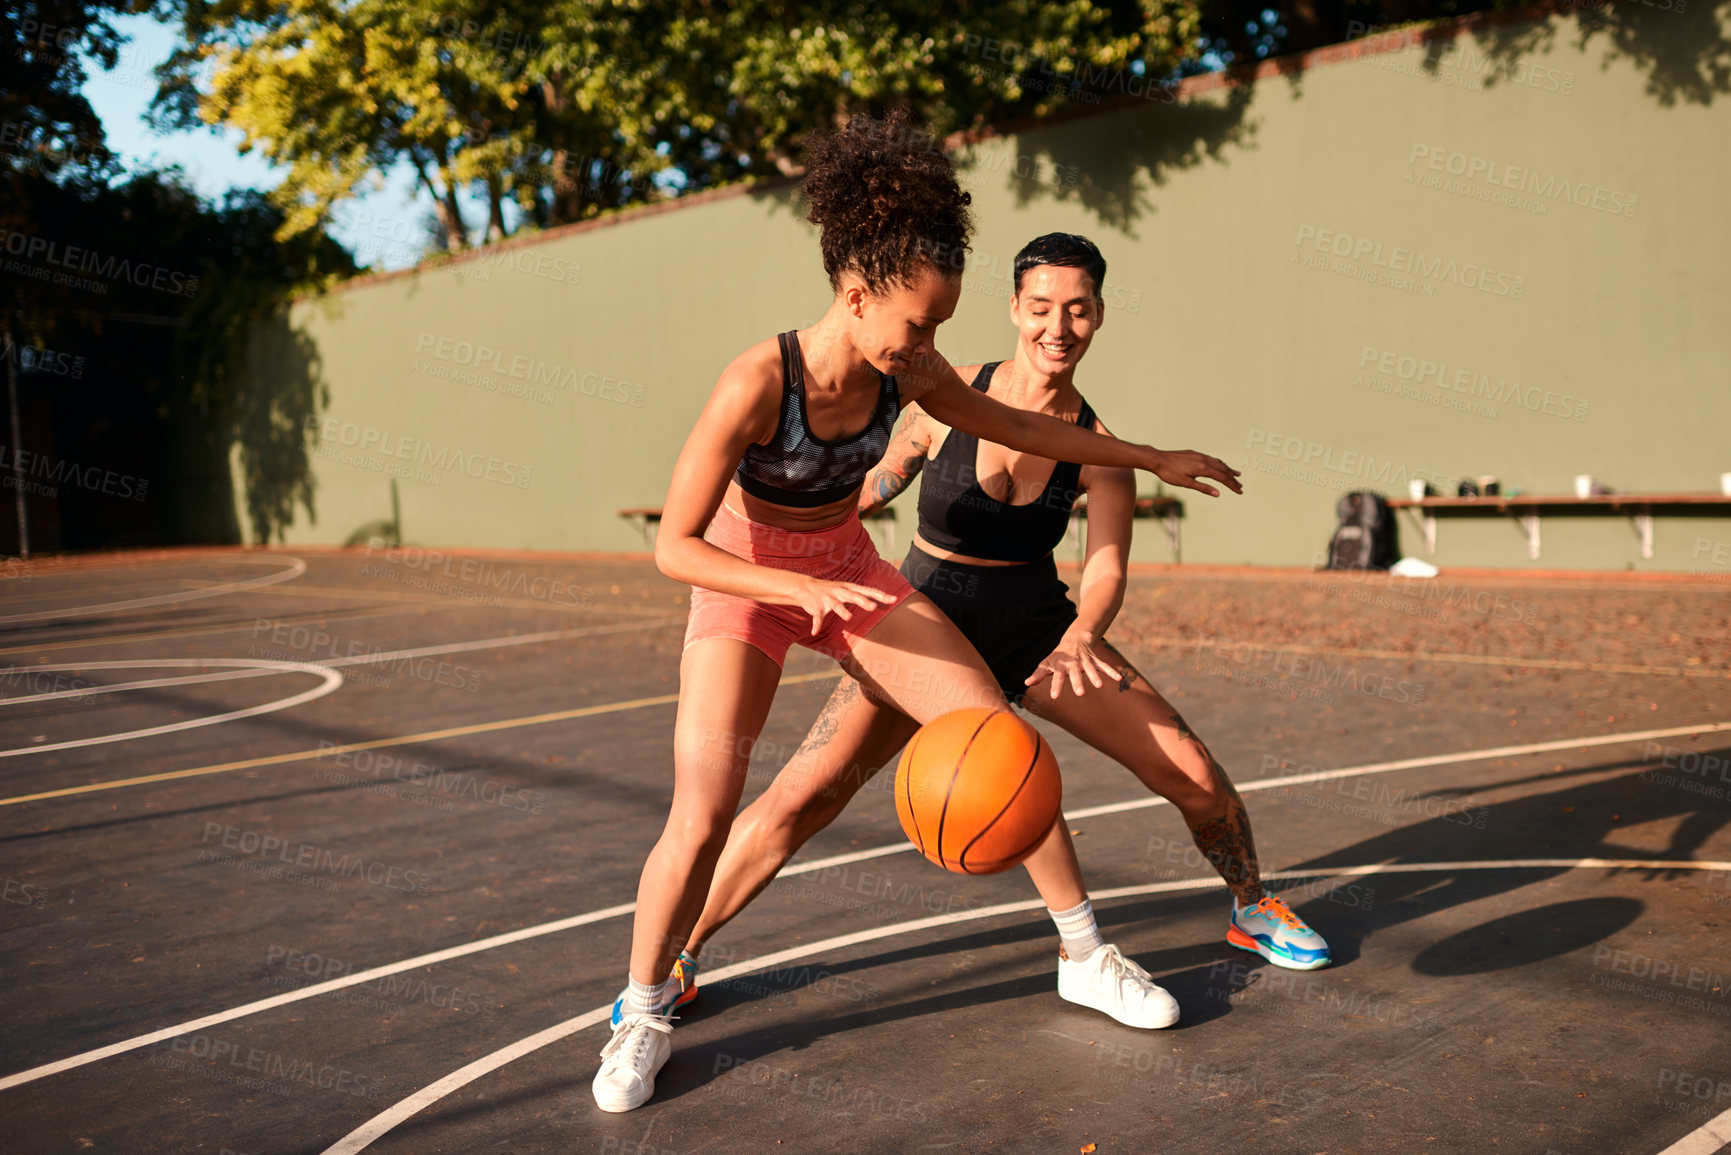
x=1014 y=615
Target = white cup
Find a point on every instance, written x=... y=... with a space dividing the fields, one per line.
x=1415 y=487
x=1725 y=484
x=1584 y=485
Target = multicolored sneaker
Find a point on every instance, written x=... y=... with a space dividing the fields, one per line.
x=684 y=973
x=1109 y=982
x=1271 y=930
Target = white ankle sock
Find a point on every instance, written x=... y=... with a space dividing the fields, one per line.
x=642 y=998
x=1078 y=931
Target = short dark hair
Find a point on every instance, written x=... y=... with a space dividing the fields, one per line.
x=886 y=200
x=1069 y=250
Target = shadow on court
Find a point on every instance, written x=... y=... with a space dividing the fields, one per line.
x=1208 y=976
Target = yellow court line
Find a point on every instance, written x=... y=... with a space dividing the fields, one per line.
x=1425 y=656
x=400 y=740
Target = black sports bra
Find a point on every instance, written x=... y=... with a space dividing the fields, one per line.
x=795 y=467
x=957 y=516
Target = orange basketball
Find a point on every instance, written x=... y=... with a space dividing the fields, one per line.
x=976 y=790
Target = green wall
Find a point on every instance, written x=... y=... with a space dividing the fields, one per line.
x=1241 y=226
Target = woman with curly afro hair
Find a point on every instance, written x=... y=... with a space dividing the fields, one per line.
x=762 y=520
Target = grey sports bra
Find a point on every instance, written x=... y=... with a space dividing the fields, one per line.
x=795 y=467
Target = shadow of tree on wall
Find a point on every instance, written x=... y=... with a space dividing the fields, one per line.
x=1103 y=162
x=276 y=409
x=1682 y=46
x=1108 y=164
x=1109 y=161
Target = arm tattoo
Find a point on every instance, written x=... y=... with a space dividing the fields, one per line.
x=889 y=480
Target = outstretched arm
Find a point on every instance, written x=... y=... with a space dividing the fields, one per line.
x=947 y=398
x=901 y=463
x=1080 y=659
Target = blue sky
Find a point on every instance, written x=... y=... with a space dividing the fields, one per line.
x=384 y=227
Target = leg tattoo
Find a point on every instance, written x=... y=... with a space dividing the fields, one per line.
x=1226 y=842
x=829 y=721
x=1127 y=673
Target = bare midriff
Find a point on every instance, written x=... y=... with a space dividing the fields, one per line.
x=788 y=517
x=826 y=517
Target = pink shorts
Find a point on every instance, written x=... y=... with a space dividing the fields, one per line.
x=842 y=553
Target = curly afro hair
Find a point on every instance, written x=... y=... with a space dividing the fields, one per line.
x=886 y=200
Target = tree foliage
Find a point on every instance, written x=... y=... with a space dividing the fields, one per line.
x=126 y=305
x=46 y=124
x=577 y=106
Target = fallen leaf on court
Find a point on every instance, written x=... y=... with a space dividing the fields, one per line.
x=1086 y=1148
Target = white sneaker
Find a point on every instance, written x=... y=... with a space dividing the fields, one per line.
x=1109 y=982
x=630 y=1060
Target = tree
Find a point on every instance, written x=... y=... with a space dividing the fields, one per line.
x=46 y=124
x=766 y=75
x=125 y=304
x=467 y=96
x=578 y=106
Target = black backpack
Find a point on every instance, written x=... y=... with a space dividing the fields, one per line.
x=1367 y=537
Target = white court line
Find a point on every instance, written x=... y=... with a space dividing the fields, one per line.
x=295 y=569
x=1432 y=760
x=12 y=672
x=255 y=668
x=1151 y=800
x=286 y=997
x=330 y=680
x=363 y=1136
x=528 y=932
x=507 y=640
x=1705 y=1139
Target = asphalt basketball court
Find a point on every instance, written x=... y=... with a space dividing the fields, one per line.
x=335 y=851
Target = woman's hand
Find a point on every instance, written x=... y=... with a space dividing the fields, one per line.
x=1183 y=467
x=821 y=598
x=1074 y=658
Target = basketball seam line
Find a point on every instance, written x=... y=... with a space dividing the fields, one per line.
x=908 y=790
x=950 y=788
x=1039 y=745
